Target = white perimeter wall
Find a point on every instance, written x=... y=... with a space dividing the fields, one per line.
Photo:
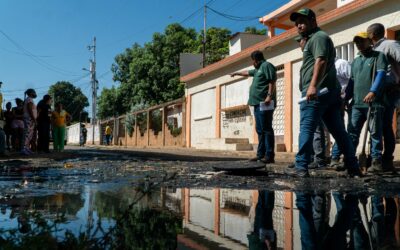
x=202 y=116
x=73 y=134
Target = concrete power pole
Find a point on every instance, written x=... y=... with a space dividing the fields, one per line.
x=204 y=34
x=94 y=85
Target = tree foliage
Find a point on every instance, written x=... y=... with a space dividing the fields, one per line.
x=109 y=103
x=72 y=98
x=149 y=74
x=254 y=30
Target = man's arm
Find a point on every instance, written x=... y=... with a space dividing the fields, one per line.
x=319 y=71
x=271 y=89
x=241 y=73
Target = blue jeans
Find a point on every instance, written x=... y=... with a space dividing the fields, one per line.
x=312 y=214
x=347 y=217
x=388 y=134
x=327 y=108
x=319 y=145
x=264 y=209
x=358 y=118
x=265 y=132
x=336 y=153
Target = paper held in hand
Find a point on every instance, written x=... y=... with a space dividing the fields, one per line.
x=265 y=107
x=320 y=92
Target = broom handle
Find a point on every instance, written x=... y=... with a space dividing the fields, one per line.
x=369 y=110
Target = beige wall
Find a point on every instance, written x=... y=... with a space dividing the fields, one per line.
x=341 y=31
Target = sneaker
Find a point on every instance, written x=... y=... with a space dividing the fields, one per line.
x=376 y=167
x=295 y=172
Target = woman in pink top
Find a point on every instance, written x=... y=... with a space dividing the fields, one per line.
x=30 y=115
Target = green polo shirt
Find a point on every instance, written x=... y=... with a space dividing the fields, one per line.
x=262 y=77
x=319 y=45
x=362 y=72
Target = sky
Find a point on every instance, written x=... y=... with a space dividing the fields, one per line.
x=45 y=41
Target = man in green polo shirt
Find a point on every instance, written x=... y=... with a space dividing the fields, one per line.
x=369 y=65
x=318 y=72
x=262 y=91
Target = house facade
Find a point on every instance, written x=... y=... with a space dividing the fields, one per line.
x=217 y=114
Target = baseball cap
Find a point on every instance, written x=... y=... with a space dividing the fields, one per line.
x=302 y=12
x=362 y=35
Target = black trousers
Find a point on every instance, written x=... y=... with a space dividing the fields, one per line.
x=43 y=136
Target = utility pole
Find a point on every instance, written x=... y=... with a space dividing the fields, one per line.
x=94 y=85
x=204 y=34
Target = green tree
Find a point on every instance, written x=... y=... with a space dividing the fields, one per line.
x=109 y=103
x=150 y=73
x=72 y=98
x=254 y=30
x=217 y=44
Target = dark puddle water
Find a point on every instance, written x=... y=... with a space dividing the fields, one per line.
x=95 y=208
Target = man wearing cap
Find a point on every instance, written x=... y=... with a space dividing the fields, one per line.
x=262 y=91
x=318 y=72
x=369 y=66
x=391 y=48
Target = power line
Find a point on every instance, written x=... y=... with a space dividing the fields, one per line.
x=36 y=58
x=196 y=12
x=75 y=80
x=232 y=17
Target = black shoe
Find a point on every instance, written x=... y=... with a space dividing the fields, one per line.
x=354 y=172
x=337 y=165
x=376 y=167
x=295 y=172
x=255 y=159
x=387 y=165
x=267 y=160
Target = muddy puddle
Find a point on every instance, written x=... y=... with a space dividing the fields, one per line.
x=147 y=216
x=92 y=202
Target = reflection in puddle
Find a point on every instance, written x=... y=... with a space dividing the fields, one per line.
x=203 y=219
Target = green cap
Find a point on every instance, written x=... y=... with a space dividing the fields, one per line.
x=302 y=12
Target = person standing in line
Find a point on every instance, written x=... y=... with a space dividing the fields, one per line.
x=8 y=116
x=318 y=72
x=318 y=158
x=369 y=66
x=391 y=48
x=83 y=136
x=59 y=119
x=262 y=91
x=30 y=115
x=44 y=114
x=343 y=72
x=108 y=134
x=17 y=125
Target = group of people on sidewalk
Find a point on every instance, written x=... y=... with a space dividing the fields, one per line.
x=28 y=126
x=367 y=90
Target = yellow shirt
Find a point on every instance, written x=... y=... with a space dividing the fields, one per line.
x=59 y=119
x=108 y=130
